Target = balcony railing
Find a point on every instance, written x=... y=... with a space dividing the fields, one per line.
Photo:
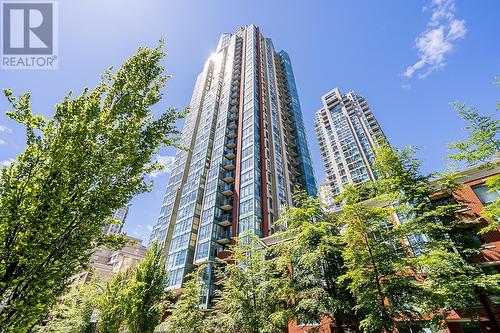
x=294 y=162
x=224 y=237
x=296 y=172
x=230 y=154
x=228 y=177
x=226 y=204
x=229 y=165
x=227 y=190
x=231 y=143
x=232 y=134
x=225 y=220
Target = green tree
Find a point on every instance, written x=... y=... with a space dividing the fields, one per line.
x=439 y=245
x=89 y=159
x=483 y=144
x=390 y=227
x=481 y=148
x=311 y=258
x=376 y=264
x=145 y=294
x=112 y=304
x=187 y=317
x=73 y=313
x=249 y=300
x=134 y=300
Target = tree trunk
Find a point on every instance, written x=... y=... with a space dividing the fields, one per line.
x=337 y=325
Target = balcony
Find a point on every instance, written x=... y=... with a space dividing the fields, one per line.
x=225 y=220
x=230 y=154
x=292 y=143
x=294 y=162
x=235 y=94
x=229 y=165
x=232 y=134
x=227 y=190
x=289 y=136
x=226 y=204
x=228 y=177
x=293 y=153
x=295 y=172
x=231 y=143
x=232 y=125
x=224 y=237
x=232 y=116
x=233 y=109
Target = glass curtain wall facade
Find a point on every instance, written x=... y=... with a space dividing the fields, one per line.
x=347 y=131
x=248 y=153
x=116 y=229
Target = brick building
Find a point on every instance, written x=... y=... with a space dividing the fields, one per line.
x=476 y=195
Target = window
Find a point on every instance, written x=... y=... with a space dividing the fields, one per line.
x=246 y=206
x=248 y=141
x=245 y=223
x=247 y=176
x=247 y=164
x=246 y=191
x=484 y=193
x=204 y=232
x=247 y=130
x=414 y=328
x=202 y=251
x=470 y=328
x=175 y=277
x=247 y=152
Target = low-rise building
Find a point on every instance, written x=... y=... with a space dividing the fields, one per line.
x=106 y=262
x=475 y=195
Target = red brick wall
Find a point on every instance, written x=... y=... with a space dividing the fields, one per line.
x=491 y=251
x=324 y=327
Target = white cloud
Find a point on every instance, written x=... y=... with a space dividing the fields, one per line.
x=2 y=142
x=7 y=163
x=5 y=129
x=436 y=42
x=406 y=86
x=166 y=162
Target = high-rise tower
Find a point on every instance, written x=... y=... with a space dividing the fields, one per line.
x=347 y=132
x=248 y=152
x=115 y=229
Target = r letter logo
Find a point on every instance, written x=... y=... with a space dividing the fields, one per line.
x=29 y=35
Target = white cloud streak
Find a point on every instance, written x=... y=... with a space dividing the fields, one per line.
x=166 y=162
x=437 y=41
x=5 y=129
x=2 y=142
x=7 y=163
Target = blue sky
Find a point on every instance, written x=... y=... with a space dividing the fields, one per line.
x=410 y=59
